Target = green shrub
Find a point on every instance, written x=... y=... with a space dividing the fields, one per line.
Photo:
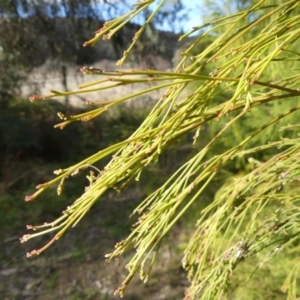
x=254 y=215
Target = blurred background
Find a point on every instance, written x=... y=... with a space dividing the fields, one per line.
x=41 y=49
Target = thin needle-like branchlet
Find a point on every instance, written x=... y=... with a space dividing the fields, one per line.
x=240 y=221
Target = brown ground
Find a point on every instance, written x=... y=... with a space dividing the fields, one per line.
x=74 y=268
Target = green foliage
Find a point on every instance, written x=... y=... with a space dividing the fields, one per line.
x=232 y=92
x=27 y=139
x=27 y=129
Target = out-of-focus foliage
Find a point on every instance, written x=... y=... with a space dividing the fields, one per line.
x=33 y=33
x=233 y=89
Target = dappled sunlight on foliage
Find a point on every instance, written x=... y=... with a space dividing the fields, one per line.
x=228 y=100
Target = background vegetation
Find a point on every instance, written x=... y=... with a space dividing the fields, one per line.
x=264 y=220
